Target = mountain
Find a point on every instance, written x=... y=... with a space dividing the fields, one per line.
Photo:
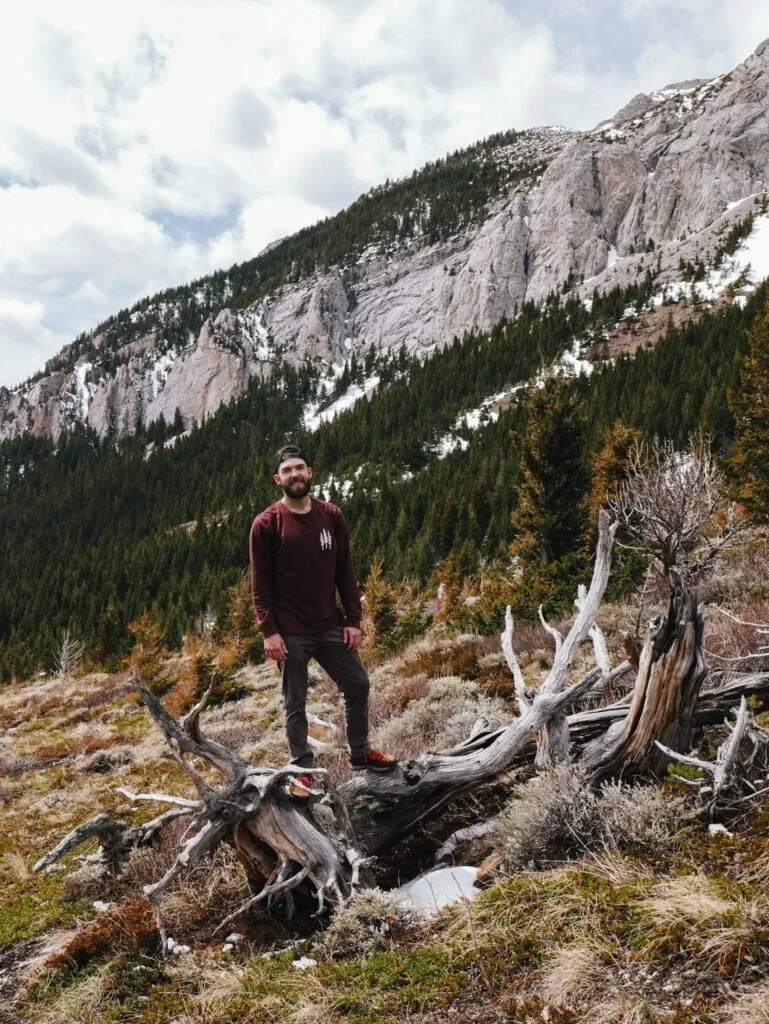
x=665 y=187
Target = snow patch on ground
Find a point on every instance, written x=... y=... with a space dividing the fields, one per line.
x=611 y=256
x=343 y=487
x=314 y=415
x=439 y=888
x=253 y=325
x=571 y=362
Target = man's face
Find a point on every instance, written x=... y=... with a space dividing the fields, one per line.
x=293 y=478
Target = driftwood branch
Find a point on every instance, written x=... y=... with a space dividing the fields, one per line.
x=506 y=642
x=725 y=769
x=554 y=741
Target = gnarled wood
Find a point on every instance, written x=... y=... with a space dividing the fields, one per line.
x=670 y=673
x=553 y=743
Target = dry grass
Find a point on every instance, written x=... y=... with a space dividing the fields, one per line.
x=624 y=1009
x=574 y=973
x=371 y=921
x=84 y=1002
x=690 y=916
x=750 y=1007
x=438 y=721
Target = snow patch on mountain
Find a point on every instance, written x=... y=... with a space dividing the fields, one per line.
x=159 y=370
x=316 y=414
x=743 y=271
x=83 y=393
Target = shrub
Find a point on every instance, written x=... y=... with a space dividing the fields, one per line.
x=556 y=816
x=371 y=921
x=129 y=927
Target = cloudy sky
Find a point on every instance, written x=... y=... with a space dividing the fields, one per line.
x=145 y=144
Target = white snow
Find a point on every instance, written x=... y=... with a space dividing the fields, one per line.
x=449 y=443
x=754 y=252
x=737 y=202
x=304 y=962
x=159 y=371
x=747 y=267
x=82 y=390
x=177 y=948
x=101 y=906
x=439 y=888
x=314 y=416
x=718 y=829
x=571 y=362
x=253 y=323
x=611 y=257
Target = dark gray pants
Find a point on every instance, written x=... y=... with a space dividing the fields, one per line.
x=347 y=671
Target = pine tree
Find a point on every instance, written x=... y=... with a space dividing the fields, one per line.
x=549 y=518
x=749 y=404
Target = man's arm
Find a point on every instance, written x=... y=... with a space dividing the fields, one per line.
x=260 y=551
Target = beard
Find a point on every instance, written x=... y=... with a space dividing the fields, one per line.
x=297 y=489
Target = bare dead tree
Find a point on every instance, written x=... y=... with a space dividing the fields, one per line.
x=672 y=505
x=69 y=655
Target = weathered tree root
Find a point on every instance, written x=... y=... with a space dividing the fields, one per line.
x=725 y=780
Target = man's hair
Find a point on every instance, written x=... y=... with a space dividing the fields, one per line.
x=289 y=451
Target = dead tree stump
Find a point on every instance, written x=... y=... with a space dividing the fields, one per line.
x=670 y=673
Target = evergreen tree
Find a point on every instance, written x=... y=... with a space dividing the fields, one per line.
x=749 y=403
x=549 y=518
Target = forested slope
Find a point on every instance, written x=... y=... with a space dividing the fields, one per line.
x=93 y=533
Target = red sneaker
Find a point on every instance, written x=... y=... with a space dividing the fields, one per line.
x=373 y=761
x=300 y=787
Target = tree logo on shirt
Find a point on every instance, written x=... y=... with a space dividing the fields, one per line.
x=325 y=540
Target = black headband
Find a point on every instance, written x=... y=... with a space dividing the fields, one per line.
x=289 y=453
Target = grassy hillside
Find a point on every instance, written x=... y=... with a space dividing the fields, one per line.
x=618 y=908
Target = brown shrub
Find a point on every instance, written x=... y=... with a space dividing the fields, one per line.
x=128 y=928
x=452 y=658
x=404 y=691
x=50 y=753
x=726 y=639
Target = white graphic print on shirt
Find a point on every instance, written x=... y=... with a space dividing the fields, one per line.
x=325 y=540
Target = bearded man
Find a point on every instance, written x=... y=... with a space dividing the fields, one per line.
x=300 y=559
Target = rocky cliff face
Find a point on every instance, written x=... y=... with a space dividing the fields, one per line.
x=668 y=172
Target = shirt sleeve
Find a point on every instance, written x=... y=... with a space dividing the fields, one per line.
x=346 y=580
x=260 y=551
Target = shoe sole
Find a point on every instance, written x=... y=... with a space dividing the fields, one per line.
x=372 y=768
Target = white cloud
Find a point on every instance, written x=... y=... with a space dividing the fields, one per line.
x=145 y=144
x=25 y=343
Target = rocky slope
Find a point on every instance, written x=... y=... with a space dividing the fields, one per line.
x=671 y=172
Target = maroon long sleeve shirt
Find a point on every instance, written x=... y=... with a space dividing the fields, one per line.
x=298 y=562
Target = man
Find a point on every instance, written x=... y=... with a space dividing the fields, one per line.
x=300 y=557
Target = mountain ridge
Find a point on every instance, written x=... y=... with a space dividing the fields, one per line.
x=534 y=212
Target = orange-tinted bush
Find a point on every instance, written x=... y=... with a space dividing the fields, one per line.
x=128 y=928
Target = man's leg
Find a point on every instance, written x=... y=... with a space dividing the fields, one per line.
x=300 y=649
x=347 y=671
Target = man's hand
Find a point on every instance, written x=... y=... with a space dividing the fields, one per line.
x=275 y=647
x=351 y=637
